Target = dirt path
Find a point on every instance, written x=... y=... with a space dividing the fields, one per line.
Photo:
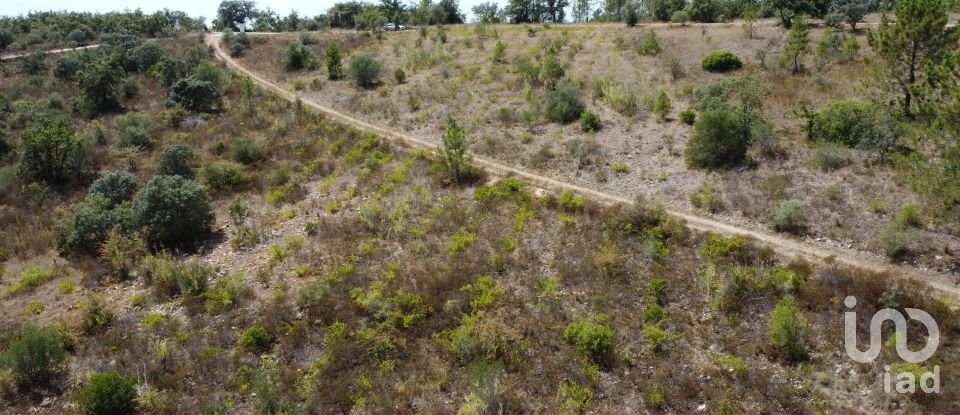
x=48 y=52
x=784 y=245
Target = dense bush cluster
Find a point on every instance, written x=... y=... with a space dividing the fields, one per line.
x=564 y=104
x=108 y=393
x=720 y=61
x=299 y=56
x=364 y=71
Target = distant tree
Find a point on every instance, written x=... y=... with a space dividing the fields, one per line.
x=749 y=18
x=487 y=12
x=581 y=11
x=51 y=150
x=394 y=10
x=233 y=14
x=787 y=10
x=704 y=11
x=6 y=38
x=852 y=12
x=663 y=10
x=630 y=15
x=918 y=36
x=454 y=154
x=99 y=84
x=522 y=11
x=796 y=46
x=448 y=12
x=554 y=10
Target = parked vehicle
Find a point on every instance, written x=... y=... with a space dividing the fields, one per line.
x=390 y=27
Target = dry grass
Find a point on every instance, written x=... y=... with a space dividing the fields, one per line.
x=368 y=242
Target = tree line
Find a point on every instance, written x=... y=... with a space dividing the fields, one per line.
x=62 y=28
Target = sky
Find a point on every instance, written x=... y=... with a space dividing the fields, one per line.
x=205 y=8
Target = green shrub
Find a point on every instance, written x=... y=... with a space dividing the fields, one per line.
x=649 y=46
x=255 y=338
x=51 y=150
x=238 y=43
x=590 y=122
x=108 y=393
x=662 y=105
x=300 y=57
x=483 y=338
x=195 y=95
x=551 y=70
x=225 y=293
x=332 y=59
x=399 y=75
x=899 y=234
x=132 y=130
x=246 y=151
x=590 y=339
x=843 y=122
x=170 y=278
x=895 y=239
x=570 y=201
x=68 y=67
x=364 y=71
x=657 y=291
x=499 y=52
x=35 y=357
x=621 y=98
x=220 y=175
x=830 y=156
x=788 y=216
x=656 y=337
x=175 y=211
x=34 y=63
x=564 y=104
x=688 y=116
x=720 y=61
x=29 y=279
x=175 y=160
x=788 y=330
x=130 y=87
x=116 y=185
x=99 y=84
x=90 y=221
x=653 y=314
x=718 y=140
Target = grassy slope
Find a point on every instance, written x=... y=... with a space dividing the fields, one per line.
x=385 y=225
x=488 y=98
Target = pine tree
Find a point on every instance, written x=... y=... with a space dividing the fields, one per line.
x=918 y=36
x=332 y=58
x=798 y=44
x=454 y=152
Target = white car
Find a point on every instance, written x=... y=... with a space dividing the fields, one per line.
x=390 y=27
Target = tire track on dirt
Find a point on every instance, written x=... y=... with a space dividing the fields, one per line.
x=783 y=245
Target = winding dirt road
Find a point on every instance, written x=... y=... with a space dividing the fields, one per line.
x=783 y=245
